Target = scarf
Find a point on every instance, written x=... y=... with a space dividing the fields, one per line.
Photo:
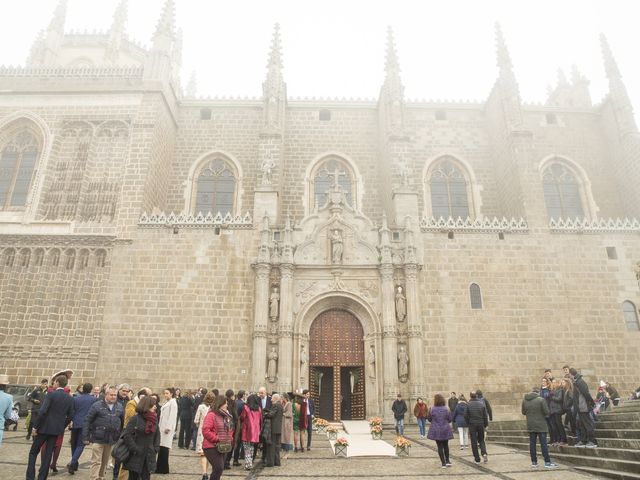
x=151 y=422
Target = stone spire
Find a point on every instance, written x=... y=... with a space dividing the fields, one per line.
x=617 y=90
x=562 y=78
x=36 y=55
x=55 y=33
x=274 y=89
x=164 y=35
x=509 y=90
x=192 y=86
x=392 y=92
x=116 y=32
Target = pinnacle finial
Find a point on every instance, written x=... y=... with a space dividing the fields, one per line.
x=275 y=55
x=503 y=57
x=165 y=30
x=392 y=64
x=610 y=65
x=577 y=76
x=59 y=17
x=177 y=48
x=192 y=86
x=120 y=17
x=562 y=78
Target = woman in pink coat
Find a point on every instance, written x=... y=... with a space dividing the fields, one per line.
x=251 y=419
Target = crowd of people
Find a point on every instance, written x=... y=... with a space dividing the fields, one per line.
x=222 y=429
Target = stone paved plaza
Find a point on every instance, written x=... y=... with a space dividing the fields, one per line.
x=319 y=463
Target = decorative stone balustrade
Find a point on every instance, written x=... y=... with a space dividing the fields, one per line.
x=478 y=225
x=183 y=220
x=597 y=225
x=69 y=72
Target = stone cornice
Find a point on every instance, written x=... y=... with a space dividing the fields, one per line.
x=57 y=240
x=598 y=225
x=183 y=220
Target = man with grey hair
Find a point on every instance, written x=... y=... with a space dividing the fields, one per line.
x=275 y=415
x=124 y=396
x=101 y=429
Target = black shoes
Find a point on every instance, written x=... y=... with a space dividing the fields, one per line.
x=236 y=464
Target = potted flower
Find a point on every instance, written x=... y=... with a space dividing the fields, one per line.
x=332 y=432
x=375 y=421
x=402 y=446
x=341 y=447
x=321 y=424
x=376 y=432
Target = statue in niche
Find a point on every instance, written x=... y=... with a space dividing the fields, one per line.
x=403 y=364
x=303 y=358
x=272 y=365
x=401 y=305
x=371 y=362
x=636 y=269
x=336 y=247
x=267 y=168
x=274 y=302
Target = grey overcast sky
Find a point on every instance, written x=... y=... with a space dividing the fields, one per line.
x=337 y=47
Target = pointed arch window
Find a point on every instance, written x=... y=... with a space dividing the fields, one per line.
x=630 y=316
x=475 y=296
x=324 y=177
x=562 y=192
x=18 y=161
x=448 y=186
x=215 y=188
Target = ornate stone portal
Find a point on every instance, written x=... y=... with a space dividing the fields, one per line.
x=336 y=259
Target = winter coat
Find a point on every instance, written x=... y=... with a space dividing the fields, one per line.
x=399 y=408
x=535 y=408
x=476 y=413
x=214 y=429
x=420 y=410
x=287 y=424
x=452 y=403
x=581 y=396
x=439 y=429
x=458 y=414
x=251 y=424
x=185 y=409
x=555 y=401
x=487 y=405
x=141 y=445
x=81 y=405
x=201 y=413
x=103 y=424
x=168 y=419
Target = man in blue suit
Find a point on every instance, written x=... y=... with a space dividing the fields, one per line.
x=55 y=415
x=311 y=411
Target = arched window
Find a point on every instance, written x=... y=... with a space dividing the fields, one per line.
x=84 y=259
x=324 y=176
x=38 y=257
x=8 y=257
x=70 y=259
x=54 y=257
x=215 y=188
x=475 y=296
x=25 y=257
x=449 y=190
x=630 y=316
x=17 y=164
x=562 y=192
x=101 y=258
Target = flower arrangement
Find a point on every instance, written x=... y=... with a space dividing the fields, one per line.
x=401 y=442
x=375 y=421
x=343 y=442
x=376 y=429
x=332 y=429
x=320 y=422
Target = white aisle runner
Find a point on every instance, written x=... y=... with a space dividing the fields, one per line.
x=361 y=444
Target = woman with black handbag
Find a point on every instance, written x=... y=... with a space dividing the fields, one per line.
x=217 y=433
x=142 y=437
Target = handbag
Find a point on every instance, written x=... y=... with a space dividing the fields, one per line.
x=223 y=447
x=120 y=451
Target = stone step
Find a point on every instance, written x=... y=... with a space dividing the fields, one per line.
x=583 y=459
x=613 y=433
x=624 y=443
x=603 y=472
x=619 y=417
x=630 y=454
x=616 y=424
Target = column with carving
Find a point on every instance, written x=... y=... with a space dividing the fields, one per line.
x=389 y=336
x=260 y=324
x=414 y=327
x=285 y=333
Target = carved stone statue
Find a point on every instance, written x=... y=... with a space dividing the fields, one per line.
x=371 y=363
x=274 y=302
x=636 y=269
x=272 y=365
x=267 y=167
x=401 y=305
x=403 y=364
x=303 y=358
x=336 y=247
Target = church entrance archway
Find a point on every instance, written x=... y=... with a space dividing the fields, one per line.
x=336 y=366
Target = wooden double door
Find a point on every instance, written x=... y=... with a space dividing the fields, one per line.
x=336 y=366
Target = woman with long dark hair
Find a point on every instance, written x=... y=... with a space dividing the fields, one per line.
x=251 y=419
x=168 y=419
x=143 y=439
x=217 y=432
x=440 y=430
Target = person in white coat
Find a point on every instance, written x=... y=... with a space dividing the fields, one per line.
x=167 y=425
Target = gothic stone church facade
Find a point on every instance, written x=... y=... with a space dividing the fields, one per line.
x=357 y=247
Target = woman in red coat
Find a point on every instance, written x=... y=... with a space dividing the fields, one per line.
x=217 y=432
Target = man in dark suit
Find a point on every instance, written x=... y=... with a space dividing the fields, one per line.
x=55 y=415
x=311 y=411
x=273 y=448
x=265 y=404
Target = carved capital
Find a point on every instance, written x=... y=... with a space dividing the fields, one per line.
x=389 y=331
x=285 y=331
x=415 y=331
x=262 y=270
x=260 y=331
x=286 y=270
x=411 y=271
x=386 y=272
